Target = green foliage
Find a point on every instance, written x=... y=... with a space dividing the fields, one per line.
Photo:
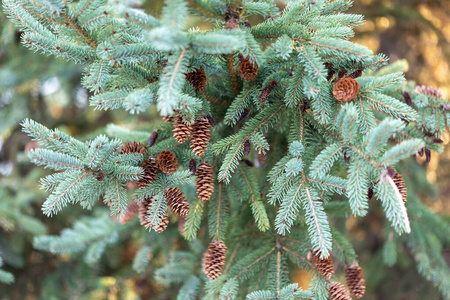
x=314 y=159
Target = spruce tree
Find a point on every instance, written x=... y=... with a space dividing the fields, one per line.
x=273 y=135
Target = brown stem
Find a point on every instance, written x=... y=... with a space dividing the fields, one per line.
x=232 y=72
x=79 y=30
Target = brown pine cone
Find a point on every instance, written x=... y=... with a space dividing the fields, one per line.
x=144 y=208
x=152 y=139
x=167 y=162
x=399 y=183
x=204 y=181
x=200 y=136
x=132 y=210
x=163 y=225
x=214 y=259
x=133 y=147
x=355 y=280
x=100 y=175
x=428 y=90
x=407 y=98
x=168 y=119
x=248 y=70
x=265 y=93
x=176 y=201
x=150 y=170
x=337 y=291
x=325 y=266
x=193 y=166
x=197 y=79
x=356 y=74
x=181 y=131
x=247 y=147
x=346 y=89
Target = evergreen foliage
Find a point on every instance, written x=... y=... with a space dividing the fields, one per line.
x=313 y=160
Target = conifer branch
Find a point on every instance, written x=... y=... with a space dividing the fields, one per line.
x=254 y=262
x=80 y=31
x=231 y=66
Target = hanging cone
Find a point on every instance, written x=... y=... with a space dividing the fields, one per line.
x=200 y=136
x=399 y=182
x=181 y=131
x=355 y=280
x=100 y=176
x=265 y=93
x=152 y=139
x=248 y=70
x=176 y=201
x=210 y=120
x=428 y=90
x=214 y=259
x=407 y=98
x=144 y=208
x=342 y=73
x=168 y=119
x=325 y=266
x=132 y=210
x=247 y=147
x=197 y=79
x=204 y=181
x=346 y=89
x=167 y=162
x=163 y=225
x=133 y=147
x=149 y=175
x=193 y=166
x=337 y=291
x=356 y=74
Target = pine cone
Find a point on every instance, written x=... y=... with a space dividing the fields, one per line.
x=248 y=70
x=200 y=136
x=204 y=181
x=247 y=147
x=167 y=162
x=100 y=175
x=197 y=79
x=243 y=114
x=163 y=225
x=265 y=93
x=355 y=280
x=132 y=210
x=168 y=119
x=337 y=291
x=428 y=154
x=150 y=170
x=399 y=182
x=428 y=90
x=193 y=166
x=144 y=208
x=181 y=131
x=407 y=98
x=133 y=147
x=355 y=74
x=211 y=120
x=325 y=266
x=152 y=139
x=214 y=259
x=176 y=201
x=346 y=89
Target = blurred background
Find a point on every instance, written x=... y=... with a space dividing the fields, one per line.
x=48 y=90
